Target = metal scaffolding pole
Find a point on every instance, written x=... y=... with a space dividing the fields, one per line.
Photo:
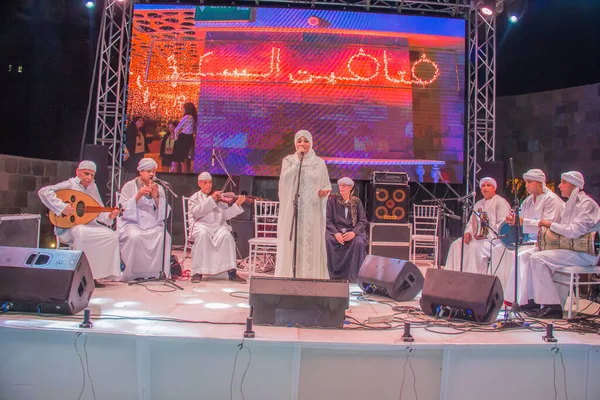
x=113 y=71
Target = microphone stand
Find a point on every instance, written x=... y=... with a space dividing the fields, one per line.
x=465 y=215
x=294 y=227
x=161 y=274
x=229 y=180
x=515 y=305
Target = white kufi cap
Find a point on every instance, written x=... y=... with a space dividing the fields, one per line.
x=346 y=181
x=87 y=164
x=205 y=176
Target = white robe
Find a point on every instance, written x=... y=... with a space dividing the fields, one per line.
x=477 y=252
x=213 y=251
x=581 y=216
x=311 y=248
x=546 y=206
x=141 y=228
x=99 y=243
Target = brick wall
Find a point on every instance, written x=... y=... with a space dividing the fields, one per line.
x=556 y=131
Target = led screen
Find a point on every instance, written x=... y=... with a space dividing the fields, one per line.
x=377 y=91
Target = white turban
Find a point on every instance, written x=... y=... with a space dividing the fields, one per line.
x=574 y=177
x=205 y=176
x=489 y=180
x=87 y=164
x=147 y=164
x=346 y=181
x=535 y=175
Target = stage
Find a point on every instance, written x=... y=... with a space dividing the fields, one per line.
x=150 y=345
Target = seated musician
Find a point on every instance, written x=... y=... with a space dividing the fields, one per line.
x=99 y=243
x=141 y=225
x=213 y=251
x=494 y=210
x=542 y=203
x=345 y=235
x=581 y=216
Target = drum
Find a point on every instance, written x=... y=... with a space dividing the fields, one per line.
x=508 y=235
x=588 y=243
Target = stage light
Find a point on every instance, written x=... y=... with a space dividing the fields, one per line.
x=513 y=18
x=487 y=7
x=515 y=9
x=89 y=4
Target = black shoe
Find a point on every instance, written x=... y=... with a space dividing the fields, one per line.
x=98 y=284
x=531 y=305
x=547 y=312
x=233 y=276
x=196 y=278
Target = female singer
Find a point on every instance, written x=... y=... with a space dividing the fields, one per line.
x=311 y=253
x=184 y=132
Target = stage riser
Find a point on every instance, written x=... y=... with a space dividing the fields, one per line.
x=43 y=364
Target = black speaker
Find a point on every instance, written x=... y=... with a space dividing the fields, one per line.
x=298 y=302
x=399 y=279
x=388 y=203
x=99 y=155
x=45 y=280
x=496 y=170
x=464 y=295
x=242 y=232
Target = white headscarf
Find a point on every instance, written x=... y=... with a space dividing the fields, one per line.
x=205 y=176
x=536 y=175
x=575 y=178
x=311 y=156
x=487 y=179
x=147 y=164
x=345 y=181
x=87 y=164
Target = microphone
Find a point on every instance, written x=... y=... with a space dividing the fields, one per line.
x=301 y=155
x=212 y=162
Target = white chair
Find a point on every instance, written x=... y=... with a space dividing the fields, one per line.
x=425 y=231
x=188 y=242
x=573 y=272
x=264 y=241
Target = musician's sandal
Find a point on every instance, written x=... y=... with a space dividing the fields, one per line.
x=196 y=278
x=98 y=284
x=531 y=305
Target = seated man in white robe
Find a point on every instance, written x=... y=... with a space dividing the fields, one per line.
x=141 y=225
x=213 y=251
x=99 y=243
x=581 y=216
x=477 y=247
x=542 y=203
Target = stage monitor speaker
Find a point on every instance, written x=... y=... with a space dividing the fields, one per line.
x=45 y=280
x=474 y=297
x=298 y=302
x=388 y=203
x=496 y=170
x=399 y=279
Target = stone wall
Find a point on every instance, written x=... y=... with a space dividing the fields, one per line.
x=21 y=178
x=556 y=131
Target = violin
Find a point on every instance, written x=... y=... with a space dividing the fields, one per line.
x=230 y=198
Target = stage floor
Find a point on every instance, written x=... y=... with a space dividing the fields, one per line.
x=148 y=342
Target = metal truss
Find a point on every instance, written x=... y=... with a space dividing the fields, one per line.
x=481 y=92
x=113 y=71
x=481 y=70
